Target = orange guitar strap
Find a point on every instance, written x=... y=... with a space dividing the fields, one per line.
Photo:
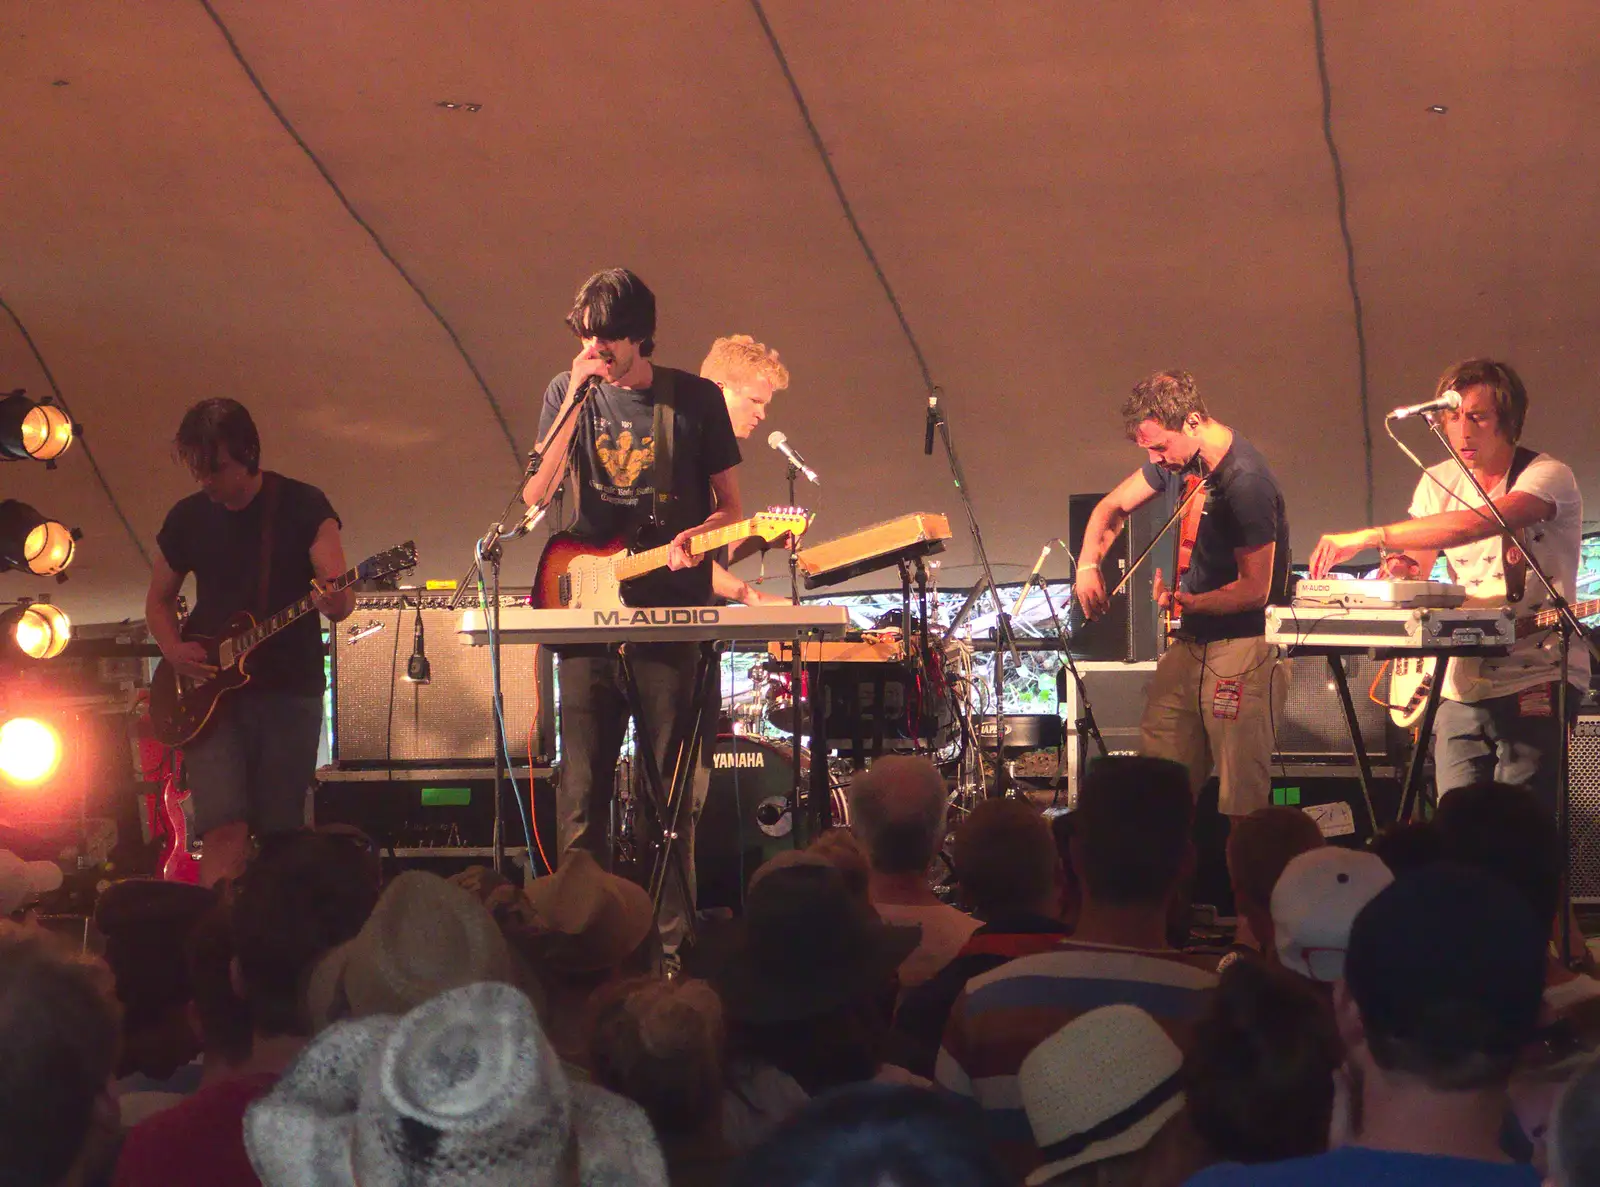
x=269 y=518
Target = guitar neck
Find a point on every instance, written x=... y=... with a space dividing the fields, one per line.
x=639 y=563
x=268 y=627
x=1545 y=619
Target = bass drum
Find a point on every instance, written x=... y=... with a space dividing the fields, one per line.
x=746 y=816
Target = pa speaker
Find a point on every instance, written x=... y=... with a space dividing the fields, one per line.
x=1127 y=631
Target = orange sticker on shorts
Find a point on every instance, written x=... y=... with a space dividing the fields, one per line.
x=1225 y=699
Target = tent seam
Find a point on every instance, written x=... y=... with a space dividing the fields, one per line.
x=1364 y=392
x=82 y=441
x=377 y=240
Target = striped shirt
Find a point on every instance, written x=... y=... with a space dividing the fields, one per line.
x=1004 y=1014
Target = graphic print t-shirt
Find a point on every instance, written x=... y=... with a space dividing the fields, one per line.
x=222 y=549
x=614 y=469
x=1244 y=509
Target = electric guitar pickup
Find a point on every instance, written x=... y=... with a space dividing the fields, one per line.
x=578 y=574
x=181 y=707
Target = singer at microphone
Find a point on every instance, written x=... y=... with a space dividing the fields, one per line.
x=781 y=443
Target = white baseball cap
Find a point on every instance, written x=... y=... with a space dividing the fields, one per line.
x=23 y=881
x=1314 y=902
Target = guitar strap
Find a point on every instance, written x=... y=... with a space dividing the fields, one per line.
x=269 y=518
x=1514 y=560
x=664 y=392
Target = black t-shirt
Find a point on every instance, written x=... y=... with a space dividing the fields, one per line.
x=1244 y=509
x=615 y=459
x=222 y=549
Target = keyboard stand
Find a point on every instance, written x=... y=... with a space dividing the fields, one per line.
x=666 y=802
x=1412 y=787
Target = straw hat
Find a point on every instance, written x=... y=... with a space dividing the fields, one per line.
x=1101 y=1086
x=464 y=1091
x=582 y=919
x=424 y=936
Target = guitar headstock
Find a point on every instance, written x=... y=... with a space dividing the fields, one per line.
x=388 y=562
x=779 y=521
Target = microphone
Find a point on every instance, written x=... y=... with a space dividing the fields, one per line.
x=418 y=670
x=933 y=423
x=781 y=443
x=1451 y=400
x=1032 y=577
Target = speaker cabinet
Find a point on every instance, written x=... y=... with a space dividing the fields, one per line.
x=1583 y=809
x=380 y=718
x=1127 y=631
x=1313 y=725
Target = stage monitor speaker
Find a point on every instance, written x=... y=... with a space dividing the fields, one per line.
x=1583 y=809
x=379 y=717
x=1127 y=631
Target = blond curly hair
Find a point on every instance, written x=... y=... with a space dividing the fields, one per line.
x=740 y=359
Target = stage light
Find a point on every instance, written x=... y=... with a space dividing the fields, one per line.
x=30 y=542
x=37 y=629
x=30 y=751
x=33 y=429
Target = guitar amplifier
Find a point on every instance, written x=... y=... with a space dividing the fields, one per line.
x=1583 y=807
x=1313 y=728
x=380 y=718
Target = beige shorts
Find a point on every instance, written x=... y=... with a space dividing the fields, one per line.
x=1217 y=704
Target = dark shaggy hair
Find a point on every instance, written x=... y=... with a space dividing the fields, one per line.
x=215 y=424
x=615 y=304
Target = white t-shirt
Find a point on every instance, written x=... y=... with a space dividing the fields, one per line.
x=1480 y=566
x=944 y=932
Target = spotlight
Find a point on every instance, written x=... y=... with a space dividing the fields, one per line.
x=38 y=629
x=33 y=429
x=30 y=542
x=30 y=751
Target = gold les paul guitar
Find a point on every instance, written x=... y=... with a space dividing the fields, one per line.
x=1411 y=676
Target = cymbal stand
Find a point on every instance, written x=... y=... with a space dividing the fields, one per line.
x=1005 y=638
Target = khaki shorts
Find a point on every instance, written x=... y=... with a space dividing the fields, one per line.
x=1218 y=704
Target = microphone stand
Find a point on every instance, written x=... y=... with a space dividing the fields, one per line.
x=488 y=549
x=1084 y=725
x=1005 y=639
x=1569 y=627
x=791 y=472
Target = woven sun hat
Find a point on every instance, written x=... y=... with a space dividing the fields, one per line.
x=464 y=1091
x=424 y=936
x=1101 y=1086
x=1316 y=899
x=583 y=919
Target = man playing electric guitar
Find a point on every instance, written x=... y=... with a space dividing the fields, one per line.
x=1498 y=716
x=251 y=768
x=654 y=454
x=1220 y=686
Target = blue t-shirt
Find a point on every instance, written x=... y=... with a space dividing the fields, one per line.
x=1353 y=1166
x=1244 y=509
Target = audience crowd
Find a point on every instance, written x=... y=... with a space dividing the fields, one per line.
x=1395 y=1015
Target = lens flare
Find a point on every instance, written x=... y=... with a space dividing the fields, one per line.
x=30 y=751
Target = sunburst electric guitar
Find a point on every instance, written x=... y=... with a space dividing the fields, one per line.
x=181 y=706
x=1411 y=676
x=578 y=574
